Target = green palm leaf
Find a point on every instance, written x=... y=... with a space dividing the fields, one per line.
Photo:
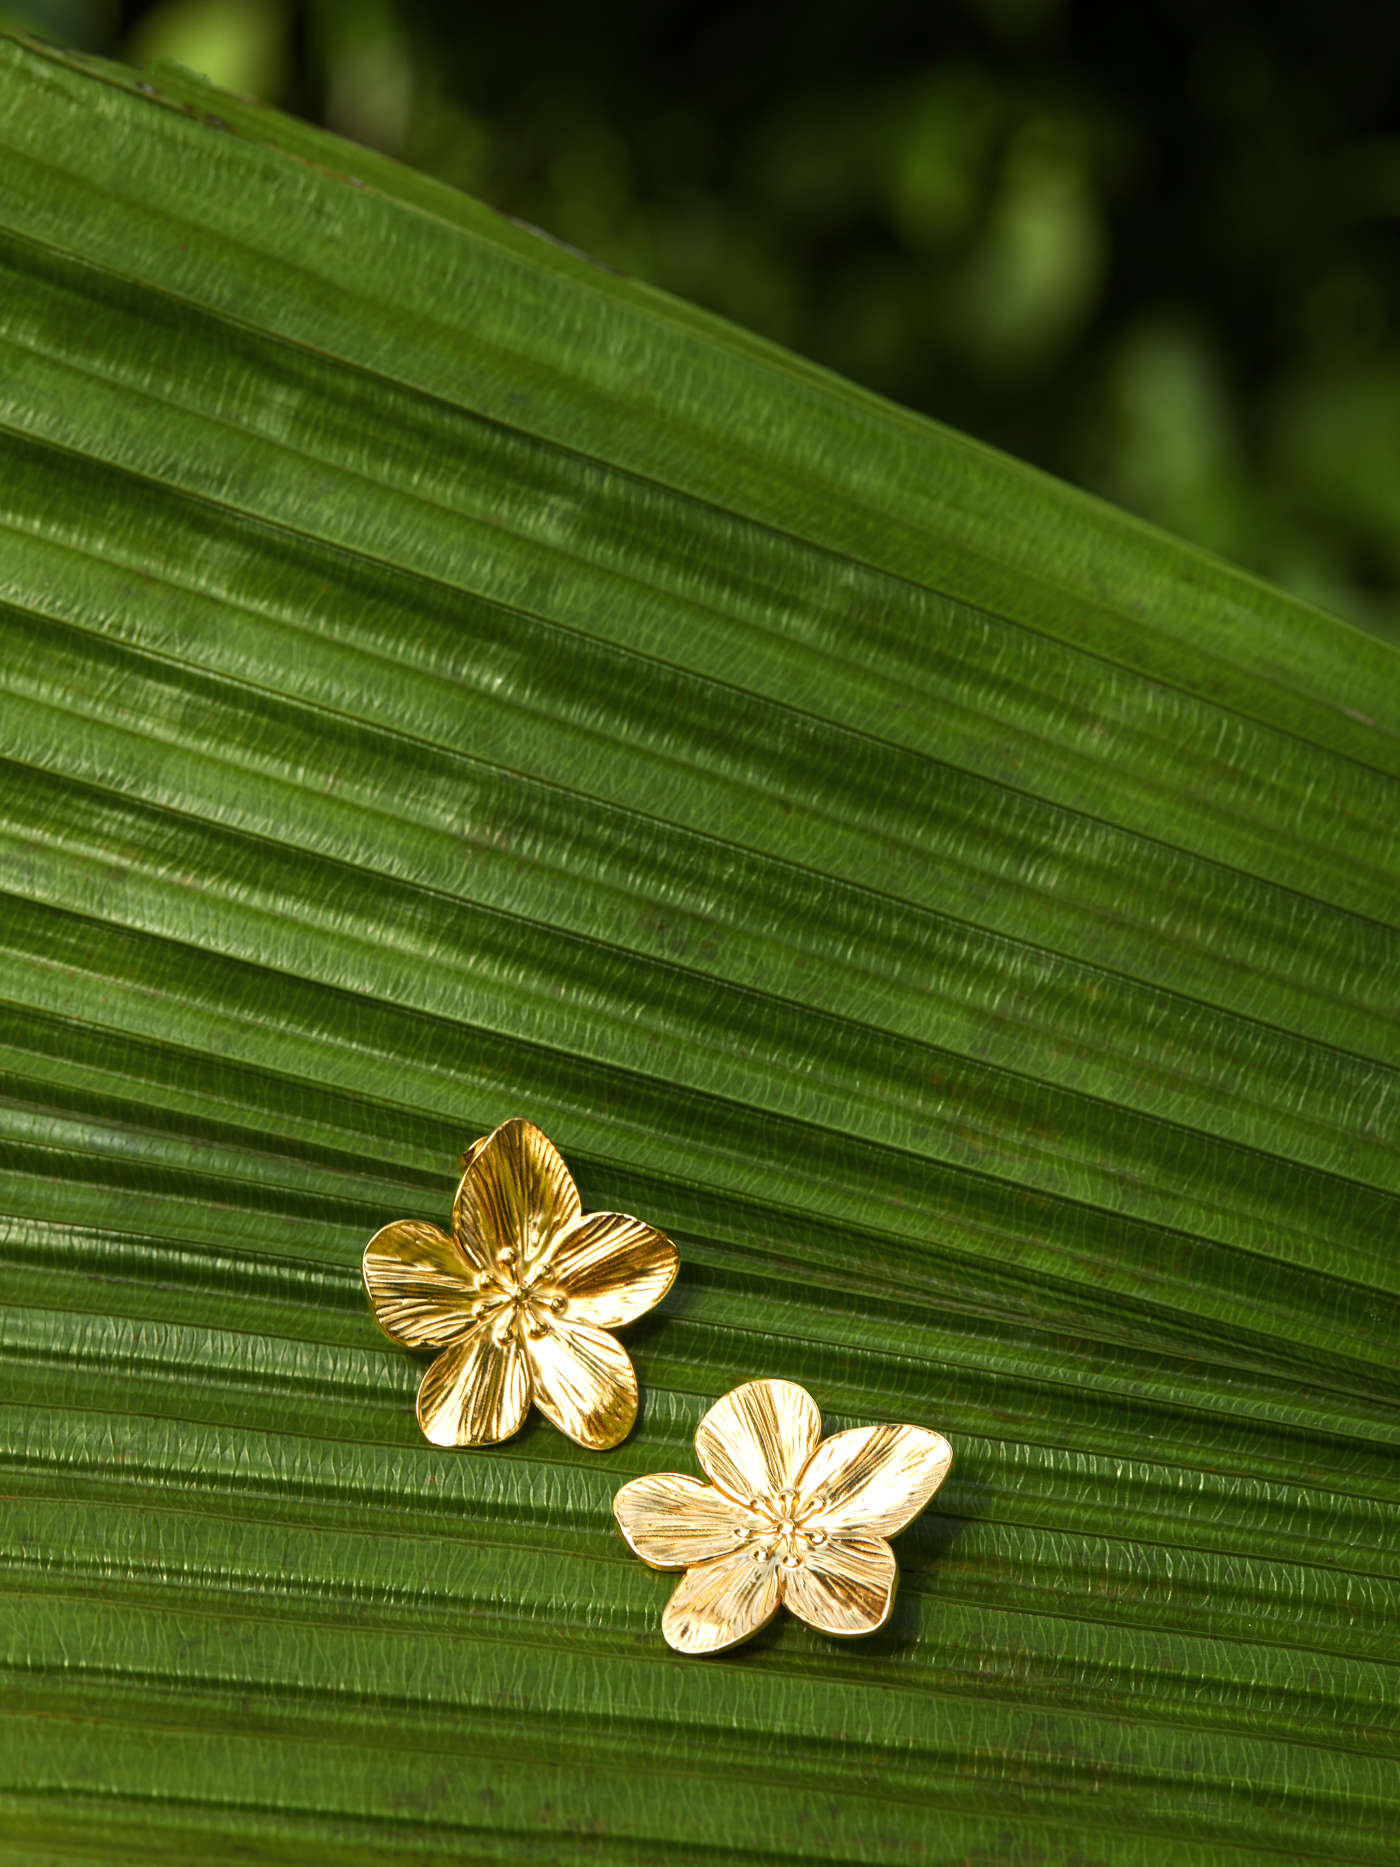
x=443 y=680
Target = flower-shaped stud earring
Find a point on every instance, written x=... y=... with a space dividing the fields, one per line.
x=790 y=1518
x=519 y=1298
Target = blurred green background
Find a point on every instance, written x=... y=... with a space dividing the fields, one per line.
x=1150 y=247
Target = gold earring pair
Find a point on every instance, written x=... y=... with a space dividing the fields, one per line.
x=520 y=1299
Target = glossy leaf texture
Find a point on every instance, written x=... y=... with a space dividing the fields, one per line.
x=441 y=680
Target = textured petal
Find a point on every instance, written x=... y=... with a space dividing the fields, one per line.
x=612 y=1268
x=584 y=1382
x=721 y=1603
x=515 y=1195
x=875 y=1479
x=419 y=1284
x=845 y=1588
x=475 y=1393
x=672 y=1521
x=758 y=1438
x=469 y=1154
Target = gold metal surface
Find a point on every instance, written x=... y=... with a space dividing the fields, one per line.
x=790 y=1519
x=519 y=1298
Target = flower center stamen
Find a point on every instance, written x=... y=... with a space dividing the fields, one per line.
x=515 y=1300
x=782 y=1527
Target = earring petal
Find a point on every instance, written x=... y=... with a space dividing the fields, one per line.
x=876 y=1479
x=418 y=1284
x=848 y=1589
x=584 y=1381
x=516 y=1196
x=759 y=1437
x=671 y=1521
x=612 y=1268
x=721 y=1603
x=476 y=1393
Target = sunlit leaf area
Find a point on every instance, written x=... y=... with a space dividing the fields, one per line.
x=1151 y=248
x=452 y=672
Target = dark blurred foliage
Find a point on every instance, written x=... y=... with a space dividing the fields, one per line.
x=1150 y=246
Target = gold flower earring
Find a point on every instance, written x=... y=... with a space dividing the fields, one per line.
x=791 y=1519
x=519 y=1298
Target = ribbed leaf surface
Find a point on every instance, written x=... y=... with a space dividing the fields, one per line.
x=444 y=681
